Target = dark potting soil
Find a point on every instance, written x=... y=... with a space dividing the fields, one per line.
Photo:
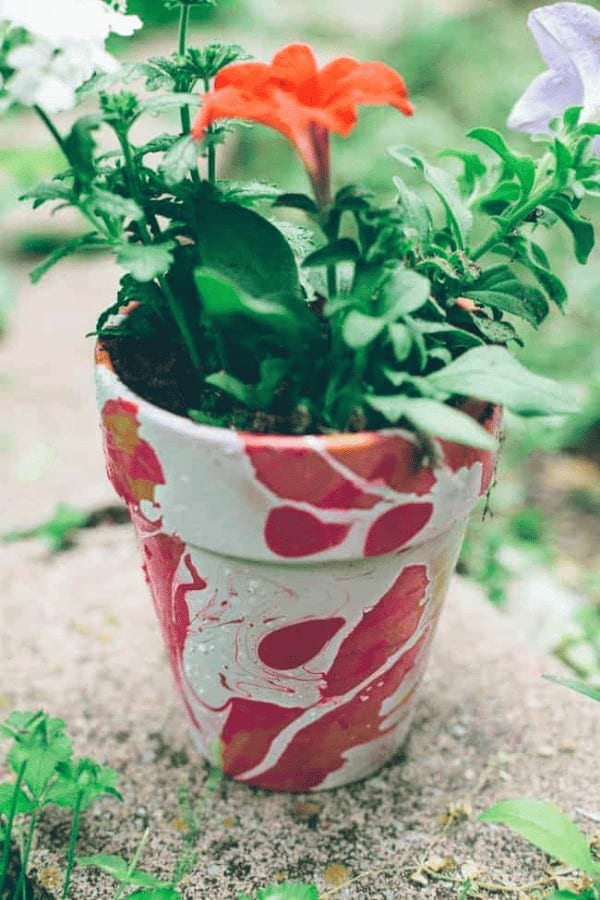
x=163 y=375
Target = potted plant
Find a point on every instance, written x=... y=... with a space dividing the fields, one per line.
x=300 y=393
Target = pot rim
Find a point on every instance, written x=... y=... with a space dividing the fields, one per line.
x=216 y=434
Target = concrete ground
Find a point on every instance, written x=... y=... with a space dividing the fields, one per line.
x=79 y=639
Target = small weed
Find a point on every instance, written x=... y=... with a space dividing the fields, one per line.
x=41 y=758
x=295 y=891
x=59 y=530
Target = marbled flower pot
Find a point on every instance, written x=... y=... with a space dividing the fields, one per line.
x=297 y=580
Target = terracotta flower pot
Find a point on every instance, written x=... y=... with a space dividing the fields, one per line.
x=297 y=580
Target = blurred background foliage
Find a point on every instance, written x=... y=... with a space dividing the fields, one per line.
x=465 y=63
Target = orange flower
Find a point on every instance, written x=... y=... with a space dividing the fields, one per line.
x=303 y=103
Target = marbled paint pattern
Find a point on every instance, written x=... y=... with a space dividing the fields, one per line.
x=297 y=580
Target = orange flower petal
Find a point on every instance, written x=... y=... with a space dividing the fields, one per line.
x=295 y=64
x=371 y=83
x=245 y=76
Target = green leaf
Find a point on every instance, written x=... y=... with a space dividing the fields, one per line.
x=49 y=190
x=56 y=531
x=342 y=250
x=436 y=419
x=118 y=869
x=445 y=185
x=298 y=201
x=530 y=305
x=7 y=793
x=492 y=374
x=545 y=826
x=80 y=146
x=161 y=893
x=360 y=330
x=402 y=340
x=89 y=241
x=179 y=160
x=244 y=248
x=115 y=206
x=145 y=262
x=288 y=891
x=402 y=292
x=247 y=193
x=582 y=230
x=521 y=166
x=416 y=215
x=586 y=689
x=164 y=102
x=221 y=300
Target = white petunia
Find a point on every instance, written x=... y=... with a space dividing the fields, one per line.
x=65 y=45
x=568 y=37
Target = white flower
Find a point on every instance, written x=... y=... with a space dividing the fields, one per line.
x=568 y=37
x=65 y=46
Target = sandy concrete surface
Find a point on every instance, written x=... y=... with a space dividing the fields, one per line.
x=78 y=638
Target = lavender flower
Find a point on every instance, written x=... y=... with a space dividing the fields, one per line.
x=568 y=37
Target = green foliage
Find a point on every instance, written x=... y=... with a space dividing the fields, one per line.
x=579 y=686
x=57 y=532
x=546 y=827
x=362 y=316
x=296 y=891
x=41 y=758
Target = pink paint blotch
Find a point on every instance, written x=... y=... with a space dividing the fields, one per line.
x=293 y=533
x=397 y=527
x=294 y=645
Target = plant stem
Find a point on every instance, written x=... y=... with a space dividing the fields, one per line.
x=9 y=824
x=181 y=323
x=72 y=845
x=211 y=152
x=134 y=861
x=21 y=883
x=184 y=21
x=53 y=130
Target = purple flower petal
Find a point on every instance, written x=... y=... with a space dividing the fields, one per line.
x=568 y=37
x=547 y=96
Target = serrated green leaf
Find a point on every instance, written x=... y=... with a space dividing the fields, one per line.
x=545 y=826
x=115 y=206
x=521 y=166
x=179 y=160
x=342 y=250
x=118 y=869
x=7 y=793
x=582 y=230
x=586 y=689
x=89 y=241
x=433 y=418
x=47 y=191
x=492 y=374
x=164 y=102
x=145 y=262
x=360 y=330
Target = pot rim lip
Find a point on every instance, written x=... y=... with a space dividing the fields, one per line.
x=338 y=441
